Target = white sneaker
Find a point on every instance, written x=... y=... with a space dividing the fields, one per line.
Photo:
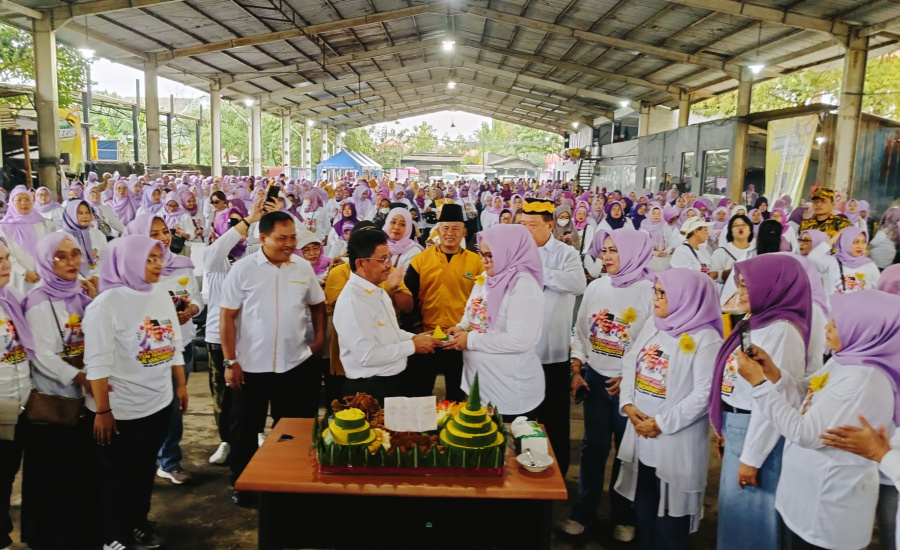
x=114 y=545
x=624 y=533
x=261 y=438
x=221 y=454
x=572 y=527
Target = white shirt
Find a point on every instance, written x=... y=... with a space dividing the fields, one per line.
x=22 y=260
x=843 y=279
x=402 y=261
x=271 y=325
x=825 y=495
x=882 y=250
x=182 y=284
x=503 y=355
x=604 y=224
x=686 y=257
x=785 y=346
x=132 y=338
x=51 y=374
x=15 y=378
x=563 y=281
x=609 y=320
x=54 y=215
x=215 y=268
x=371 y=341
x=317 y=223
x=108 y=215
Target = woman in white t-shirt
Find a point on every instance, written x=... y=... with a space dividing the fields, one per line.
x=76 y=222
x=47 y=205
x=739 y=246
x=665 y=386
x=849 y=269
x=827 y=498
x=133 y=343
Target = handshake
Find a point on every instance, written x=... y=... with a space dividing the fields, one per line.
x=425 y=343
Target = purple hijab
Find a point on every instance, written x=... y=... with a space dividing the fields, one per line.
x=172 y=218
x=184 y=197
x=514 y=251
x=819 y=297
x=403 y=244
x=890 y=280
x=635 y=250
x=220 y=226
x=615 y=223
x=818 y=237
x=339 y=225
x=141 y=226
x=19 y=227
x=693 y=303
x=842 y=249
x=147 y=199
x=126 y=263
x=44 y=208
x=656 y=230
x=11 y=301
x=779 y=290
x=868 y=326
x=51 y=286
x=81 y=235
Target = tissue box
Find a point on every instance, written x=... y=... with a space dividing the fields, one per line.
x=529 y=436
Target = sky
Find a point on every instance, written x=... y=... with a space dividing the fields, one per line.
x=120 y=79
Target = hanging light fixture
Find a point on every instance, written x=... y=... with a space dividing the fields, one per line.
x=452 y=114
x=758 y=66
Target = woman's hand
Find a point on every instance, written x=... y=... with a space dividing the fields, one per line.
x=867 y=442
x=181 y=395
x=648 y=428
x=746 y=476
x=81 y=380
x=719 y=443
x=335 y=262
x=453 y=331
x=395 y=278
x=612 y=385
x=104 y=428
x=577 y=380
x=459 y=342
x=634 y=414
x=749 y=369
x=88 y=287
x=32 y=277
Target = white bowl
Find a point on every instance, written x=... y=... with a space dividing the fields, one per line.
x=542 y=461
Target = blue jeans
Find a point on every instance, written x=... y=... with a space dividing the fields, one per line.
x=655 y=532
x=602 y=424
x=886 y=512
x=169 y=455
x=747 y=517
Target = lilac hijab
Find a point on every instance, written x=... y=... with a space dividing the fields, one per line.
x=44 y=208
x=220 y=226
x=51 y=286
x=868 y=326
x=779 y=290
x=81 y=235
x=172 y=218
x=890 y=280
x=404 y=243
x=635 y=250
x=818 y=237
x=339 y=225
x=842 y=249
x=11 y=301
x=19 y=227
x=147 y=200
x=124 y=207
x=126 y=261
x=656 y=230
x=693 y=303
x=141 y=226
x=514 y=251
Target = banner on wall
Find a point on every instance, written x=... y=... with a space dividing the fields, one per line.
x=71 y=148
x=788 y=150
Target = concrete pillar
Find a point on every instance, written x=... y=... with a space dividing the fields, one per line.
x=256 y=136
x=644 y=124
x=151 y=98
x=215 y=128
x=742 y=136
x=340 y=141
x=286 y=140
x=684 y=109
x=324 y=144
x=46 y=102
x=307 y=148
x=847 y=129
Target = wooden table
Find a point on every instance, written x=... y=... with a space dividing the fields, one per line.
x=301 y=508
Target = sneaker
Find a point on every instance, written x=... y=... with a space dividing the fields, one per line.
x=572 y=527
x=221 y=454
x=624 y=533
x=176 y=475
x=148 y=537
x=260 y=439
x=114 y=545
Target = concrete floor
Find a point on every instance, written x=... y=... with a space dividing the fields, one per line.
x=200 y=515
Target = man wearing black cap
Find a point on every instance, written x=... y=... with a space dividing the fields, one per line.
x=441 y=279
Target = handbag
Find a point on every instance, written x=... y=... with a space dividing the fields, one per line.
x=45 y=408
x=177 y=244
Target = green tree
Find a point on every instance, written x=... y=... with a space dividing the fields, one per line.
x=423 y=138
x=17 y=64
x=358 y=139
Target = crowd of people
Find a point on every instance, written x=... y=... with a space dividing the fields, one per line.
x=662 y=314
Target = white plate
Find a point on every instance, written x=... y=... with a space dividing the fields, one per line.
x=541 y=461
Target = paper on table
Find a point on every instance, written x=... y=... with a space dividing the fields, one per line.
x=410 y=414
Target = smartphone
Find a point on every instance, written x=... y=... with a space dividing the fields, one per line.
x=272 y=193
x=746 y=344
x=580 y=394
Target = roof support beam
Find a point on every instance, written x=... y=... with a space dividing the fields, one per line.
x=309 y=31
x=769 y=15
x=62 y=14
x=701 y=60
x=879 y=27
x=8 y=5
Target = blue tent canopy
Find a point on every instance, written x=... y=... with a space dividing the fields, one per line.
x=348 y=160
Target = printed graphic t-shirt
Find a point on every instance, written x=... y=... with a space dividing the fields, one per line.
x=651 y=372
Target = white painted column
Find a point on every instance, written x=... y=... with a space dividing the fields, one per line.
x=151 y=98
x=307 y=149
x=324 y=132
x=215 y=128
x=46 y=100
x=286 y=140
x=684 y=109
x=644 y=124
x=849 y=112
x=256 y=137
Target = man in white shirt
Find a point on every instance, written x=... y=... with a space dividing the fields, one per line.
x=563 y=280
x=373 y=347
x=262 y=328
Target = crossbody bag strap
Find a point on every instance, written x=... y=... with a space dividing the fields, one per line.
x=694 y=252
x=841 y=268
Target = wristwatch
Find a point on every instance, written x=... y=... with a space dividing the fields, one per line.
x=228 y=362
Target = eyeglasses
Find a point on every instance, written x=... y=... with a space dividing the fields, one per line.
x=215 y=203
x=657 y=293
x=75 y=256
x=154 y=261
x=807 y=240
x=386 y=259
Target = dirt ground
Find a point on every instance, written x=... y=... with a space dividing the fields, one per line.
x=201 y=516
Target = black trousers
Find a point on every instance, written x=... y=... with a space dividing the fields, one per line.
x=554 y=411
x=291 y=394
x=220 y=393
x=127 y=471
x=424 y=368
x=378 y=387
x=10 y=460
x=59 y=501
